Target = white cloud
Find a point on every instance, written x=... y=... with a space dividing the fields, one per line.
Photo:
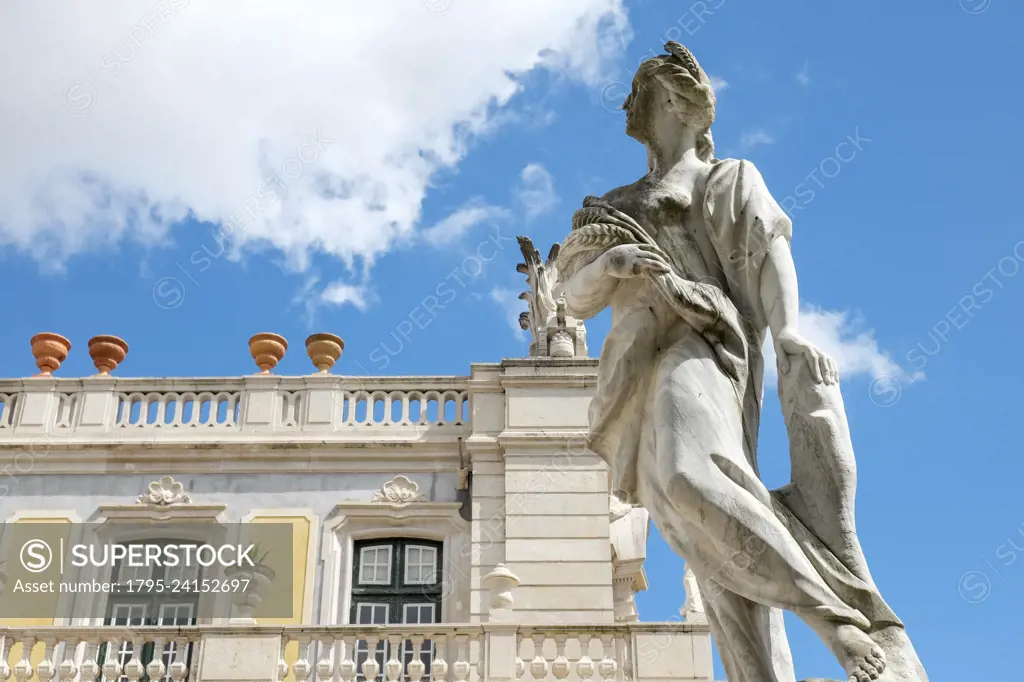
x=453 y=226
x=803 y=77
x=755 y=138
x=311 y=297
x=127 y=120
x=845 y=339
x=536 y=191
x=340 y=293
x=718 y=84
x=511 y=306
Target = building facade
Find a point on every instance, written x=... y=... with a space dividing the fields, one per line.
x=429 y=527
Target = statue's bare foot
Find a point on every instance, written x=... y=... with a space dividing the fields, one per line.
x=861 y=658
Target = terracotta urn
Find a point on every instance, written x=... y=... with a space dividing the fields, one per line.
x=107 y=352
x=267 y=349
x=324 y=350
x=49 y=350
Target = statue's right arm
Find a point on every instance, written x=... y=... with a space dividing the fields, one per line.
x=590 y=290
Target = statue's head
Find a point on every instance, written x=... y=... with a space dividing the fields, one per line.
x=671 y=90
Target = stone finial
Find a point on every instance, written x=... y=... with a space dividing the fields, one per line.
x=693 y=610
x=107 y=352
x=49 y=350
x=555 y=333
x=324 y=350
x=500 y=582
x=399 y=490
x=267 y=349
x=164 y=493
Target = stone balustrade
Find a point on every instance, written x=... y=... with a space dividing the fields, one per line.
x=436 y=653
x=322 y=406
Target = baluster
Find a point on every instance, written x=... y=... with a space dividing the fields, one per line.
x=46 y=670
x=282 y=663
x=439 y=666
x=624 y=654
x=90 y=663
x=461 y=667
x=371 y=668
x=347 y=669
x=68 y=669
x=520 y=663
x=112 y=666
x=585 y=666
x=184 y=399
x=5 y=647
x=416 y=666
x=159 y=401
x=406 y=410
x=302 y=667
x=179 y=665
x=195 y=641
x=560 y=666
x=394 y=665
x=23 y=669
x=539 y=664
x=425 y=410
x=134 y=669
x=325 y=666
x=607 y=667
x=156 y=669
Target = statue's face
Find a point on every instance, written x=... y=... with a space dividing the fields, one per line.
x=651 y=106
x=640 y=106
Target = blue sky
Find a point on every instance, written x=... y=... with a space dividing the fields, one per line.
x=429 y=137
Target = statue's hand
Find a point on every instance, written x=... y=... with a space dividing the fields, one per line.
x=790 y=344
x=630 y=260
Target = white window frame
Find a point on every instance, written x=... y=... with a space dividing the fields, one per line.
x=432 y=578
x=418 y=606
x=356 y=521
x=362 y=564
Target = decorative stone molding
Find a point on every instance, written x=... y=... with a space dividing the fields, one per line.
x=624 y=597
x=618 y=508
x=399 y=490
x=555 y=334
x=164 y=493
x=354 y=521
x=628 y=530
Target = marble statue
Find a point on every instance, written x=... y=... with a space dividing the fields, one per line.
x=694 y=261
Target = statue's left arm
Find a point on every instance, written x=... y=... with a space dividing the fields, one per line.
x=751 y=234
x=781 y=302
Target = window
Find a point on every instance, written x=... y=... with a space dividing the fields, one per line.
x=396 y=581
x=145 y=605
x=375 y=565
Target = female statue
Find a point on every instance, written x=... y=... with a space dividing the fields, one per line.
x=694 y=261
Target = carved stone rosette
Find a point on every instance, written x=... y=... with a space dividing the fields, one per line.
x=164 y=493
x=399 y=490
